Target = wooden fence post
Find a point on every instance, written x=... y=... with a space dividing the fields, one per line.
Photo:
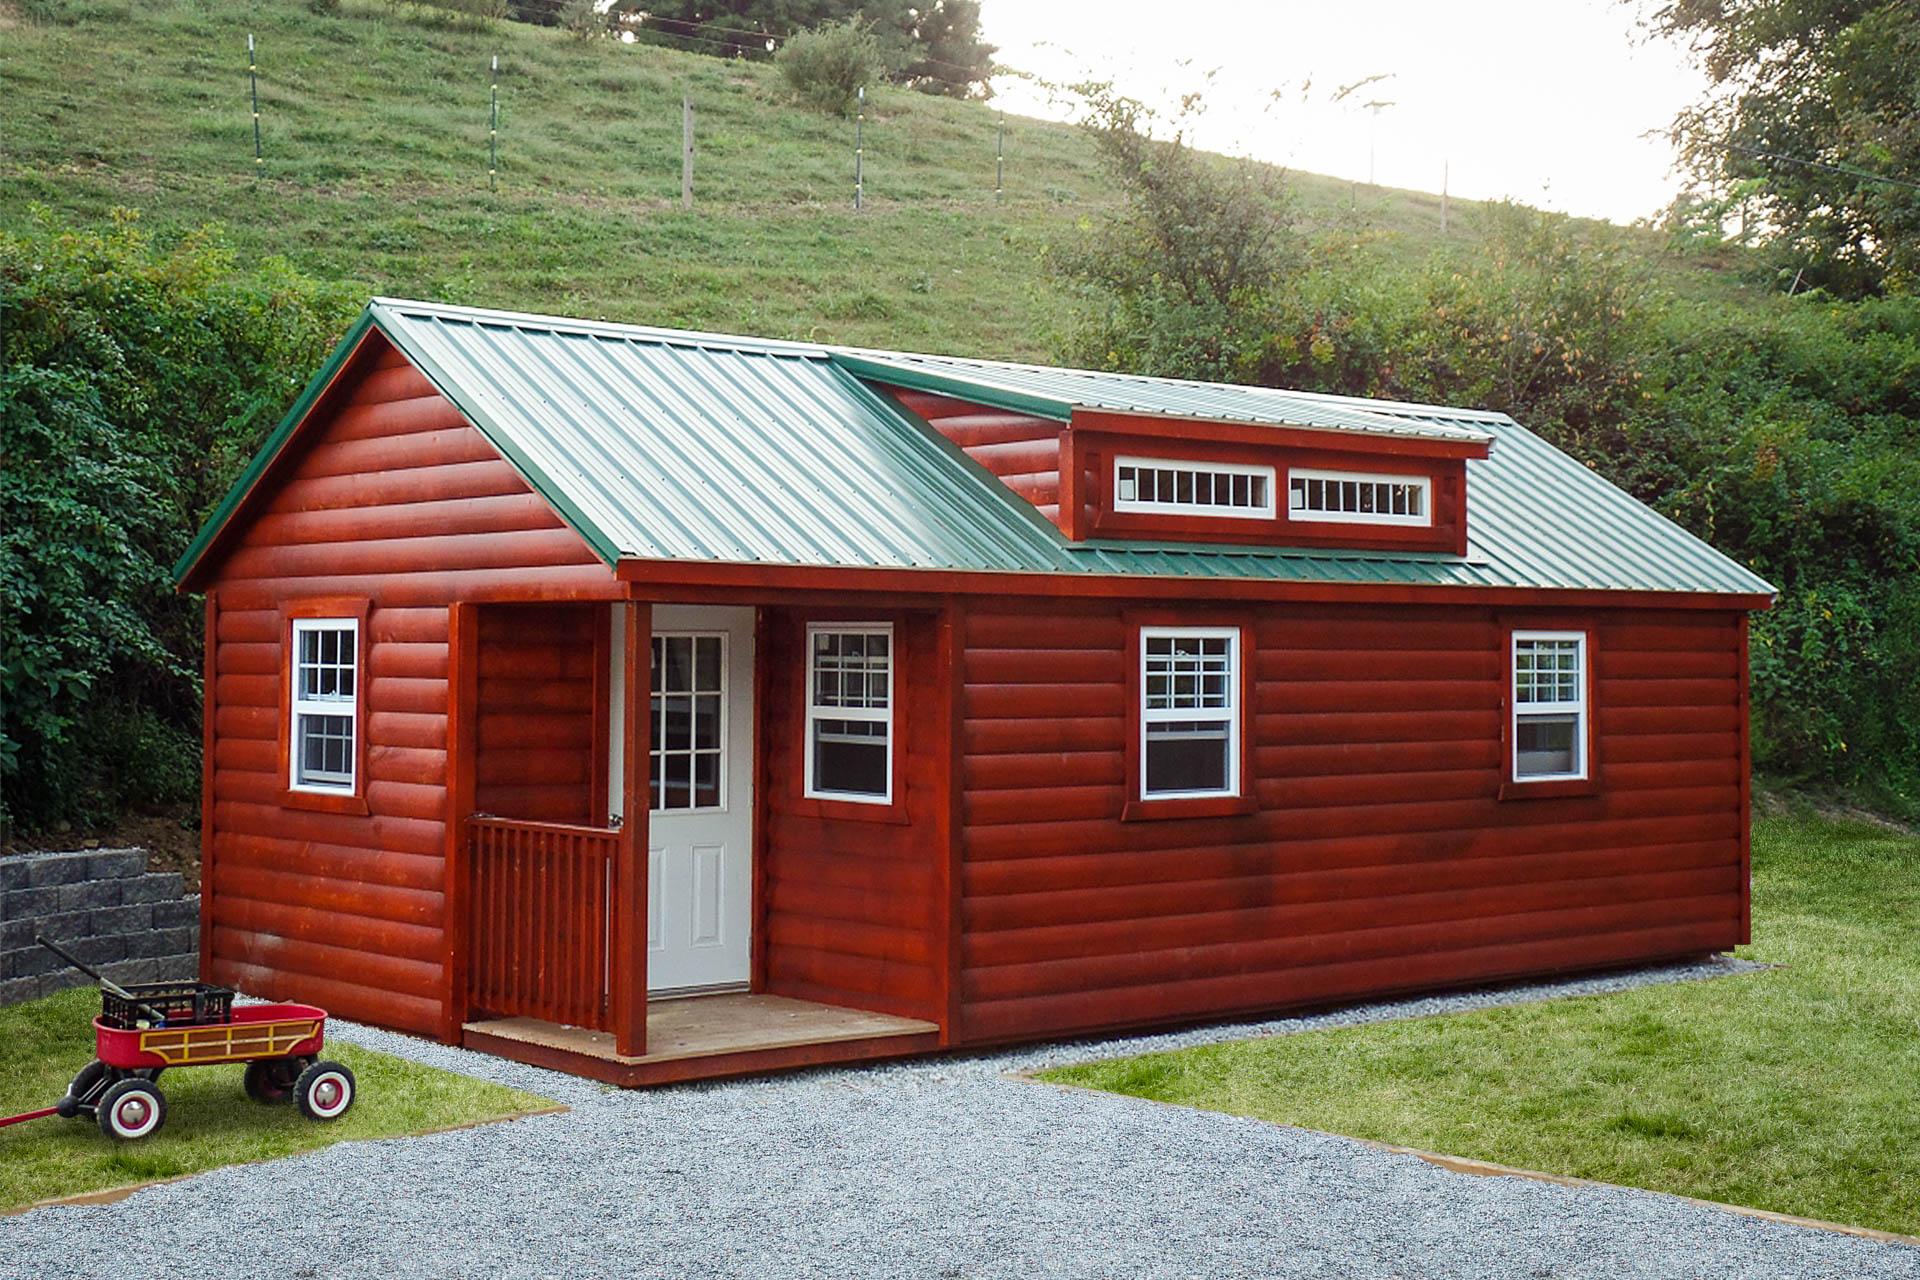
x=686 y=153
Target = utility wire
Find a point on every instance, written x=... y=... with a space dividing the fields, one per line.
x=760 y=39
x=1759 y=154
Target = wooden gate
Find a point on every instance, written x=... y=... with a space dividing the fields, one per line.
x=541 y=897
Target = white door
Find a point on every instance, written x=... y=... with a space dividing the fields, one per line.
x=700 y=830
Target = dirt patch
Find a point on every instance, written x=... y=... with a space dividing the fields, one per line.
x=170 y=835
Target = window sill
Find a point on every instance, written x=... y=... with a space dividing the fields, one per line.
x=894 y=812
x=1187 y=807
x=324 y=802
x=1548 y=789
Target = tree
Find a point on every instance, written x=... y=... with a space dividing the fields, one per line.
x=1181 y=281
x=826 y=66
x=935 y=47
x=135 y=380
x=1819 y=100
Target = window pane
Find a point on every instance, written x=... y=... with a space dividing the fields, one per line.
x=706 y=722
x=677 y=774
x=1546 y=745
x=707 y=664
x=706 y=780
x=850 y=757
x=1186 y=755
x=325 y=749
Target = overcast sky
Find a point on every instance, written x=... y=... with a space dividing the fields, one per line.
x=1541 y=100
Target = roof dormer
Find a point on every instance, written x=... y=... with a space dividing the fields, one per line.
x=1110 y=456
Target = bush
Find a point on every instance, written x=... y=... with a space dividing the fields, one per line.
x=826 y=66
x=584 y=19
x=137 y=379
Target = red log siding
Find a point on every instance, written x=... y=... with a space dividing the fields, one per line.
x=397 y=500
x=1022 y=450
x=850 y=907
x=537 y=757
x=1379 y=857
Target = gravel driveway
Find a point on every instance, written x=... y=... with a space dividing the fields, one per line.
x=938 y=1168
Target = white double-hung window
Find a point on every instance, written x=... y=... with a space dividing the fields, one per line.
x=850 y=711
x=1549 y=705
x=326 y=704
x=1189 y=712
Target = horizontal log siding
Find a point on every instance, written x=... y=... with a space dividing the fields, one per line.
x=1379 y=856
x=1022 y=450
x=396 y=499
x=851 y=912
x=535 y=750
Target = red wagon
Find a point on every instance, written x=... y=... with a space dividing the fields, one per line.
x=148 y=1028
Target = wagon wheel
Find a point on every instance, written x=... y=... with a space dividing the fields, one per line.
x=85 y=1090
x=132 y=1109
x=271 y=1080
x=325 y=1090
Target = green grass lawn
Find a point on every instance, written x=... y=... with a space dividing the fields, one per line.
x=210 y=1121
x=1792 y=1089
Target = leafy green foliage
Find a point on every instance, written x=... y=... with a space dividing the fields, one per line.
x=1786 y=437
x=1819 y=101
x=827 y=66
x=135 y=382
x=1182 y=279
x=935 y=47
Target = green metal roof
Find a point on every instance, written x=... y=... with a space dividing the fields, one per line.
x=668 y=445
x=1056 y=393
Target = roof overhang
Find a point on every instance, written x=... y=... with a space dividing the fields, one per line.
x=984 y=389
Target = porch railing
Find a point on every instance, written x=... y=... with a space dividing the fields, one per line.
x=541 y=897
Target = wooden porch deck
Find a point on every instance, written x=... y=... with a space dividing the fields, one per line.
x=703 y=1037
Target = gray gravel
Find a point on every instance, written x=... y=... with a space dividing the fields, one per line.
x=942 y=1168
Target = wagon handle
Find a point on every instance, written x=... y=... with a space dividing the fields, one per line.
x=101 y=978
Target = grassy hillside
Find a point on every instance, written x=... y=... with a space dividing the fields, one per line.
x=374 y=123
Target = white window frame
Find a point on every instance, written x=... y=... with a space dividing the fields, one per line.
x=1144 y=507
x=1424 y=483
x=299 y=708
x=1233 y=713
x=1576 y=707
x=876 y=715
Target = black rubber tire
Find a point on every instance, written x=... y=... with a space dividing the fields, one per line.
x=88 y=1084
x=271 y=1080
x=325 y=1091
x=132 y=1109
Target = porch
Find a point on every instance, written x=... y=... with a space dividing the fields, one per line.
x=645 y=895
x=703 y=1037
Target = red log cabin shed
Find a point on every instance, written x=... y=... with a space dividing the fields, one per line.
x=987 y=702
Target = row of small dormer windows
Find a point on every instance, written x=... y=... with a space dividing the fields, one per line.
x=1174 y=486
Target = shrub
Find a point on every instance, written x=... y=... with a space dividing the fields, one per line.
x=584 y=19
x=827 y=65
x=136 y=380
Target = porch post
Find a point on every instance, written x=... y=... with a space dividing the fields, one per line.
x=628 y=995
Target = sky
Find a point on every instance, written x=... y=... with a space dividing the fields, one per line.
x=1545 y=101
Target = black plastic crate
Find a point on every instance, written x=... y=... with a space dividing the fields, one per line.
x=179 y=1003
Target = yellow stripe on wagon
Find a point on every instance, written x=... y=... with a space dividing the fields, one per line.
x=233 y=1042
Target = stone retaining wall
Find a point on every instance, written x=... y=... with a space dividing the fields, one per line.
x=105 y=907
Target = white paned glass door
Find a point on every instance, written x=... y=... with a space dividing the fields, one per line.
x=700 y=782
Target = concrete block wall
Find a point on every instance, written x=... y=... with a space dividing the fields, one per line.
x=105 y=907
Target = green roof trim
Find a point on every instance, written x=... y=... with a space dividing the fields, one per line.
x=664 y=445
x=982 y=391
x=271 y=446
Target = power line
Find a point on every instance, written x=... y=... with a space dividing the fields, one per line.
x=1759 y=154
x=761 y=39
